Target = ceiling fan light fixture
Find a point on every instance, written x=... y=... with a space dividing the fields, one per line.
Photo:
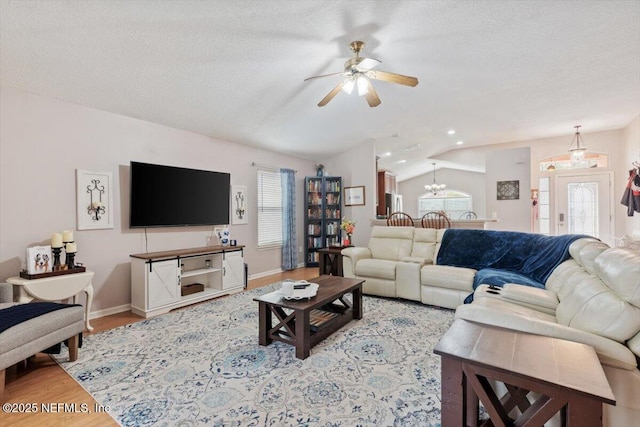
x=363 y=85
x=348 y=85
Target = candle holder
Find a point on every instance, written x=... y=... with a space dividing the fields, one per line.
x=71 y=260
x=96 y=209
x=56 y=258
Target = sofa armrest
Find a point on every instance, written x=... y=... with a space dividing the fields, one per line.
x=490 y=311
x=350 y=256
x=530 y=296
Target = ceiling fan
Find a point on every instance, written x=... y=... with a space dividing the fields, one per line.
x=358 y=73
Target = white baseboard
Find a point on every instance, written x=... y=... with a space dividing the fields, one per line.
x=109 y=311
x=265 y=273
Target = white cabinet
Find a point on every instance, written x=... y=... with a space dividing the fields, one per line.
x=162 y=281
x=232 y=270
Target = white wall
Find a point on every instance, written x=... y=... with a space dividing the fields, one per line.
x=357 y=167
x=43 y=141
x=509 y=165
x=468 y=182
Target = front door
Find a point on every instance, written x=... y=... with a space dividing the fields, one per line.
x=584 y=205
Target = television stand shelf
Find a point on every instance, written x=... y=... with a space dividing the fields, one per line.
x=157 y=278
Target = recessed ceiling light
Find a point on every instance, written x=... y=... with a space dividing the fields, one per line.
x=451 y=132
x=402 y=161
x=387 y=154
x=460 y=142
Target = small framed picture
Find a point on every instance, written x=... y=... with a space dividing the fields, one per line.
x=508 y=190
x=354 y=196
x=39 y=259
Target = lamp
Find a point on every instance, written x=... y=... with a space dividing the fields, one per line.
x=577 y=152
x=434 y=188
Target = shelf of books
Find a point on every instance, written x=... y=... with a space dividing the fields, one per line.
x=323 y=215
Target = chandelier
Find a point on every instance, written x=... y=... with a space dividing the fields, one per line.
x=434 y=188
x=577 y=152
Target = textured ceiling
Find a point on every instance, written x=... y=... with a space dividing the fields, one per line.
x=495 y=71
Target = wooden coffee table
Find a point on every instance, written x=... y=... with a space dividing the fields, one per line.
x=305 y=323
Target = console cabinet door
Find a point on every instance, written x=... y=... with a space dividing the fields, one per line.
x=233 y=270
x=163 y=283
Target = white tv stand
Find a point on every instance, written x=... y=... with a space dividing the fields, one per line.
x=158 y=278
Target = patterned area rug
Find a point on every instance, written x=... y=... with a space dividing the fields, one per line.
x=203 y=366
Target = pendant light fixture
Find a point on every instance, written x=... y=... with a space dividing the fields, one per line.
x=577 y=152
x=434 y=188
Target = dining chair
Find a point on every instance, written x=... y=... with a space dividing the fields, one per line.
x=400 y=219
x=435 y=220
x=469 y=215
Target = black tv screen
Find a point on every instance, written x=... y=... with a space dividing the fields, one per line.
x=167 y=196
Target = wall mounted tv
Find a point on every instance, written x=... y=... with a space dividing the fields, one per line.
x=167 y=196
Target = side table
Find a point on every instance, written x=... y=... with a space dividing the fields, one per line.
x=330 y=261
x=56 y=288
x=567 y=375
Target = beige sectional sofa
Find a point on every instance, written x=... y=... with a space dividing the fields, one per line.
x=592 y=298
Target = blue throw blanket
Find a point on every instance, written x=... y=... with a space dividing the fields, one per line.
x=505 y=256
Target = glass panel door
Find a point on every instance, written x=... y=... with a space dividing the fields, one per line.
x=584 y=206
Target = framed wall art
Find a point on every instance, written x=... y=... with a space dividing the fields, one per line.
x=239 y=204
x=508 y=190
x=94 y=199
x=354 y=196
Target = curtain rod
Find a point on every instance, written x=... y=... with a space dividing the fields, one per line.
x=273 y=168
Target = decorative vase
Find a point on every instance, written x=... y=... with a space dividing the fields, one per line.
x=347 y=241
x=319 y=172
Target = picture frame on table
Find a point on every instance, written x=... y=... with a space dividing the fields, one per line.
x=94 y=200
x=354 y=196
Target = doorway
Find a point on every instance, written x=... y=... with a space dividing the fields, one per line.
x=584 y=205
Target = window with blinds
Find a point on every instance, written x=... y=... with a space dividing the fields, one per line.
x=269 y=209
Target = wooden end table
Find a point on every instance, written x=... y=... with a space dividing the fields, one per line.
x=330 y=260
x=567 y=375
x=294 y=317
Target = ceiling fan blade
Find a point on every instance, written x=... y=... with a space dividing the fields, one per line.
x=331 y=94
x=367 y=63
x=372 y=97
x=393 y=78
x=324 y=75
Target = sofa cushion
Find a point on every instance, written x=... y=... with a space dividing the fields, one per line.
x=443 y=276
x=585 y=251
x=593 y=307
x=380 y=268
x=619 y=269
x=424 y=244
x=391 y=243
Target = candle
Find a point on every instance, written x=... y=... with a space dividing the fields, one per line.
x=56 y=240
x=96 y=205
x=67 y=236
x=72 y=248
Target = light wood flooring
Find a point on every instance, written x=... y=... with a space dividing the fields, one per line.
x=42 y=381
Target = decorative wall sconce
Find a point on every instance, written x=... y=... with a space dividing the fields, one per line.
x=95 y=208
x=94 y=199
x=240 y=205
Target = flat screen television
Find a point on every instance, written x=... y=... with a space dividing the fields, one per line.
x=167 y=196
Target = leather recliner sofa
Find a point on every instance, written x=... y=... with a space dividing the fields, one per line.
x=593 y=298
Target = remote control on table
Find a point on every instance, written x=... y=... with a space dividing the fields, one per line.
x=301 y=286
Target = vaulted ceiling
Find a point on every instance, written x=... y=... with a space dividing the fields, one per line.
x=494 y=71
